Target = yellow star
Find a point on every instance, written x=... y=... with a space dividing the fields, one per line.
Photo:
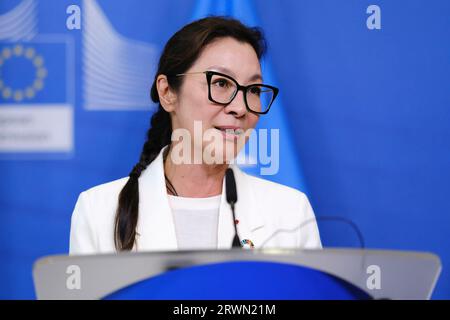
x=38 y=61
x=29 y=92
x=41 y=73
x=18 y=95
x=6 y=92
x=6 y=53
x=38 y=84
x=18 y=50
x=29 y=53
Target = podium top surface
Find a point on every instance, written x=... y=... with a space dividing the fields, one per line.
x=398 y=274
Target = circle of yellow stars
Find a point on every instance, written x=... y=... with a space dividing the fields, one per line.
x=41 y=73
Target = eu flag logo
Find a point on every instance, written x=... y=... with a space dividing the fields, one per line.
x=35 y=91
x=33 y=72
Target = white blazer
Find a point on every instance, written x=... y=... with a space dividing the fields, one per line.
x=263 y=207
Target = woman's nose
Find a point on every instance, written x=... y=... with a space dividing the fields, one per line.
x=237 y=105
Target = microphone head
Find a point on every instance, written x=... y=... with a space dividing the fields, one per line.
x=230 y=185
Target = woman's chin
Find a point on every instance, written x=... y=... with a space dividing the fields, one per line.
x=224 y=155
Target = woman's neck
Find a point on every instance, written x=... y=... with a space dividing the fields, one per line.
x=195 y=180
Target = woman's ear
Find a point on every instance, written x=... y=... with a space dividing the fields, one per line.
x=167 y=97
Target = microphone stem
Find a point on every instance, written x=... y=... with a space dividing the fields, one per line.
x=236 y=241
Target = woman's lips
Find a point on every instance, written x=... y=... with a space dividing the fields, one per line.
x=230 y=132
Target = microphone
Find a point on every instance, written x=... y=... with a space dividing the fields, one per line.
x=230 y=185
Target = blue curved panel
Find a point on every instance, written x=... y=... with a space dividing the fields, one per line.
x=241 y=281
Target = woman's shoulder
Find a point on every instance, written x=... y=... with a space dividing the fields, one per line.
x=271 y=196
x=284 y=208
x=103 y=197
x=107 y=188
x=93 y=218
x=269 y=189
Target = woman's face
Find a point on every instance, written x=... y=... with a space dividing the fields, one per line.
x=192 y=107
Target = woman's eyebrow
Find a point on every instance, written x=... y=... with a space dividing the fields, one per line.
x=227 y=71
x=255 y=77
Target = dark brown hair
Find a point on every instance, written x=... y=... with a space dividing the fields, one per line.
x=179 y=54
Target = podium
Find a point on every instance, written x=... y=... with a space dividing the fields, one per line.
x=237 y=274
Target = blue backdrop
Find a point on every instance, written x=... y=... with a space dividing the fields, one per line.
x=363 y=114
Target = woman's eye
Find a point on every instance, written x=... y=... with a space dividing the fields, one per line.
x=255 y=90
x=222 y=83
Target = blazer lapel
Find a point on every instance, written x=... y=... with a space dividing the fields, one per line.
x=246 y=211
x=155 y=226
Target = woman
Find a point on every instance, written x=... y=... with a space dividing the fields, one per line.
x=209 y=74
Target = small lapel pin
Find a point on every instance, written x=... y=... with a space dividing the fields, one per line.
x=247 y=244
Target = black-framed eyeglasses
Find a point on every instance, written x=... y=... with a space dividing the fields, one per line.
x=222 y=89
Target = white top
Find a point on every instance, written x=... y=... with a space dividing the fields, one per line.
x=196 y=221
